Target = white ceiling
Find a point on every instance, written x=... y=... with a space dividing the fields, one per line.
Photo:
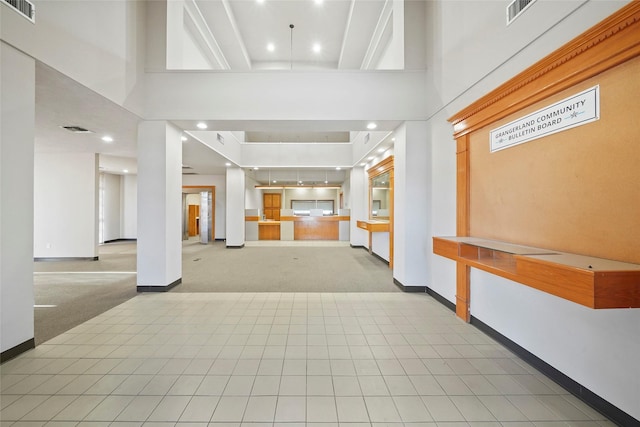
x=242 y=29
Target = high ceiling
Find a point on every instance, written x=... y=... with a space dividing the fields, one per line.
x=257 y=34
x=350 y=35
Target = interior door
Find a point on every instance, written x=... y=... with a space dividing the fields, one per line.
x=271 y=203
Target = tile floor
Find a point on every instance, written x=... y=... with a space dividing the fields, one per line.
x=281 y=360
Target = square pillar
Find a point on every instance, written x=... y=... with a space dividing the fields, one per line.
x=159 y=206
x=17 y=102
x=412 y=206
x=235 y=208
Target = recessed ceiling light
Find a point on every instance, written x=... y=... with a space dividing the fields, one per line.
x=256 y=169
x=318 y=2
x=370 y=158
x=363 y=164
x=271 y=47
x=274 y=181
x=184 y=139
x=338 y=168
x=202 y=125
x=260 y=1
x=326 y=182
x=227 y=164
x=107 y=138
x=393 y=140
x=299 y=182
x=125 y=170
x=317 y=47
x=372 y=126
x=381 y=150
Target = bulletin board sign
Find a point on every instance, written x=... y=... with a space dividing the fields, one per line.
x=576 y=110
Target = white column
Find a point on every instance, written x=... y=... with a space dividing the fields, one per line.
x=17 y=99
x=411 y=204
x=235 y=207
x=359 y=191
x=159 y=206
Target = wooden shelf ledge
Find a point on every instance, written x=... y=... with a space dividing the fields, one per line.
x=374 y=226
x=592 y=282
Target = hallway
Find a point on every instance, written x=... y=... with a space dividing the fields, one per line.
x=281 y=359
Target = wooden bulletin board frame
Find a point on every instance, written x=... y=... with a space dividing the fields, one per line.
x=529 y=184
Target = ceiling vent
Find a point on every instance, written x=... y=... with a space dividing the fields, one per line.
x=23 y=7
x=76 y=129
x=517 y=8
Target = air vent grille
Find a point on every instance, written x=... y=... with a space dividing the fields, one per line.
x=516 y=8
x=76 y=129
x=24 y=7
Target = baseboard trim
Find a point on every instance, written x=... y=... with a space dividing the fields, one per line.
x=358 y=246
x=120 y=240
x=71 y=258
x=409 y=288
x=606 y=408
x=442 y=300
x=166 y=288
x=380 y=258
x=17 y=350
x=219 y=240
x=235 y=247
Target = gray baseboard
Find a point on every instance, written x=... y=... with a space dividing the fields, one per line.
x=409 y=288
x=166 y=288
x=235 y=247
x=17 y=350
x=606 y=408
x=71 y=258
x=120 y=240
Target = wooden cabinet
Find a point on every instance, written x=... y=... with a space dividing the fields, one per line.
x=269 y=230
x=272 y=206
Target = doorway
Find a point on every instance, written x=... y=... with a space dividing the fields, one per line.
x=193 y=217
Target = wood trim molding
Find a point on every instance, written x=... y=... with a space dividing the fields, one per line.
x=381 y=167
x=606 y=45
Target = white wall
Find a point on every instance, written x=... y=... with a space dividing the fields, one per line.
x=65 y=205
x=253 y=196
x=111 y=209
x=192 y=56
x=218 y=181
x=475 y=53
x=17 y=107
x=392 y=57
x=399 y=95
x=129 y=204
x=98 y=43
